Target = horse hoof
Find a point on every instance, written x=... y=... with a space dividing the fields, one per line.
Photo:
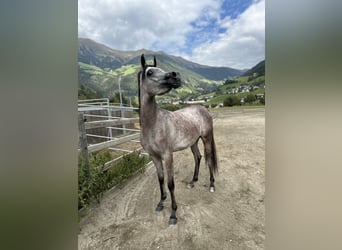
x=159 y=208
x=190 y=185
x=212 y=189
x=173 y=221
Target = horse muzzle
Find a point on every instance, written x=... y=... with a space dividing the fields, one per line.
x=173 y=79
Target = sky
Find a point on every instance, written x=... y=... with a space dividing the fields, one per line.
x=227 y=33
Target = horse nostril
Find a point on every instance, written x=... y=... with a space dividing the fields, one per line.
x=171 y=75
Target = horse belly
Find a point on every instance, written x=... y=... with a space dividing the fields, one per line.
x=184 y=141
x=155 y=146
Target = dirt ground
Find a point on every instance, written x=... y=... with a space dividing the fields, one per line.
x=233 y=217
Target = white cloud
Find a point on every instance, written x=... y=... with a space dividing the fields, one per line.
x=135 y=24
x=241 y=46
x=166 y=25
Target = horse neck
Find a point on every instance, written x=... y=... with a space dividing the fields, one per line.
x=148 y=111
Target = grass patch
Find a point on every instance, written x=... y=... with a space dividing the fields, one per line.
x=219 y=99
x=92 y=187
x=241 y=107
x=90 y=69
x=242 y=79
x=128 y=70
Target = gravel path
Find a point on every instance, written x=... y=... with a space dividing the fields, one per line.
x=231 y=218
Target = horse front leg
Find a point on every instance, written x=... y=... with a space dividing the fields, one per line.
x=160 y=172
x=197 y=157
x=168 y=161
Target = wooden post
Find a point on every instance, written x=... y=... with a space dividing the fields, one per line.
x=83 y=143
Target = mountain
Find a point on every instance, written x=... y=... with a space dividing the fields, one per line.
x=101 y=68
x=259 y=69
x=93 y=53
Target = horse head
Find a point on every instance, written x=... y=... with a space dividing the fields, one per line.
x=156 y=81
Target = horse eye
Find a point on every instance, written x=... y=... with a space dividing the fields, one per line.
x=150 y=72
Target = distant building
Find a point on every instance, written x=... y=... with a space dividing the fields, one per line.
x=260 y=96
x=194 y=101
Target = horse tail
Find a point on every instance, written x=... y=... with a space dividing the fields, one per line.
x=210 y=154
x=214 y=155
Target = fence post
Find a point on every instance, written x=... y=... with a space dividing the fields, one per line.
x=83 y=142
x=109 y=113
x=122 y=111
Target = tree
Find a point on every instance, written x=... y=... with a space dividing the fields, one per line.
x=231 y=101
x=85 y=92
x=116 y=98
x=250 y=98
x=230 y=81
x=262 y=100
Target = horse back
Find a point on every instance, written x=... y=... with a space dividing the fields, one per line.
x=199 y=116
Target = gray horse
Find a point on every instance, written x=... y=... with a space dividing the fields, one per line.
x=164 y=132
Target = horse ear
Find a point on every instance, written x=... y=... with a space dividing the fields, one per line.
x=143 y=62
x=154 y=61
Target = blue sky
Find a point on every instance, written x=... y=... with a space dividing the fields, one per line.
x=210 y=32
x=206 y=28
x=233 y=8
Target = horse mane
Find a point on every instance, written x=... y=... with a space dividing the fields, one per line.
x=139 y=74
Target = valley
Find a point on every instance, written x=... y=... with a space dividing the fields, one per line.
x=103 y=72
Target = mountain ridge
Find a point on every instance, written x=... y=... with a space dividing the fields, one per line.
x=100 y=55
x=102 y=69
x=259 y=69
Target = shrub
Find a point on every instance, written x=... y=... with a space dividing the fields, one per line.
x=262 y=101
x=171 y=107
x=250 y=98
x=92 y=187
x=231 y=101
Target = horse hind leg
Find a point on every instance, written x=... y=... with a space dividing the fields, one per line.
x=197 y=157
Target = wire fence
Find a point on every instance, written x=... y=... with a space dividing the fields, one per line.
x=106 y=126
